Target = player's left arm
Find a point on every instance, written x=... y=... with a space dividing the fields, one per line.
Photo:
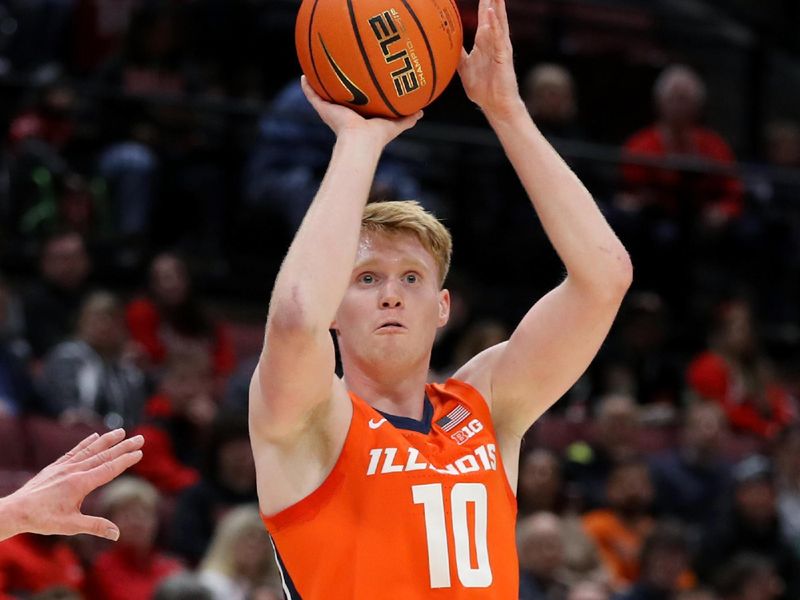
x=560 y=335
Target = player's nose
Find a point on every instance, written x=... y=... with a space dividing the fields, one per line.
x=390 y=296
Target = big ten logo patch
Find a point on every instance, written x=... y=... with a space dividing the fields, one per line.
x=408 y=75
x=469 y=430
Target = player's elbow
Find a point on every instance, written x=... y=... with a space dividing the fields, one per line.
x=622 y=272
x=288 y=318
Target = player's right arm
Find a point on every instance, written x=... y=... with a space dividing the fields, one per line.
x=295 y=373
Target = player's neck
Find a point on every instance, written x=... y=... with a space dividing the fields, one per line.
x=400 y=396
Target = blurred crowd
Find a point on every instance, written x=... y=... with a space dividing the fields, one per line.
x=156 y=159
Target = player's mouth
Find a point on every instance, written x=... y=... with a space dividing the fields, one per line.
x=391 y=327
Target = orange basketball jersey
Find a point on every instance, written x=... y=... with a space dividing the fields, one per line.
x=412 y=509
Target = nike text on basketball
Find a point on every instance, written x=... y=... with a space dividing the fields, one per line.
x=408 y=76
x=403 y=460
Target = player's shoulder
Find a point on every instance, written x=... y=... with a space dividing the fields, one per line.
x=477 y=372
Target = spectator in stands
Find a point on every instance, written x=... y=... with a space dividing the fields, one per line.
x=640 y=360
x=93 y=376
x=286 y=165
x=183 y=586
x=787 y=464
x=170 y=318
x=51 y=305
x=239 y=559
x=615 y=439
x=57 y=593
x=177 y=422
x=734 y=373
x=541 y=557
x=665 y=561
x=540 y=486
x=229 y=479
x=133 y=567
x=782 y=144
x=679 y=98
x=696 y=593
x=589 y=590
x=33 y=563
x=620 y=530
x=749 y=577
x=752 y=525
x=549 y=94
x=17 y=393
x=693 y=479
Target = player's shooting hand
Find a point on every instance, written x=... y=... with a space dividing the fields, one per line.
x=50 y=503
x=343 y=120
x=487 y=72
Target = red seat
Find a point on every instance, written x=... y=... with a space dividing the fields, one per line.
x=49 y=439
x=14 y=447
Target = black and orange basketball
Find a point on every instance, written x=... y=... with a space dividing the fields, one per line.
x=379 y=57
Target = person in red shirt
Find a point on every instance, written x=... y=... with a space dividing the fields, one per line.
x=132 y=568
x=679 y=97
x=170 y=319
x=734 y=374
x=177 y=420
x=33 y=563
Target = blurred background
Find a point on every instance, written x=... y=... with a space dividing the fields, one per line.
x=158 y=155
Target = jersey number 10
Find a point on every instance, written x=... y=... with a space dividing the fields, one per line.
x=431 y=497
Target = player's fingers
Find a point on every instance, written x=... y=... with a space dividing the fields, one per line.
x=312 y=96
x=104 y=442
x=105 y=472
x=502 y=15
x=130 y=445
x=97 y=526
x=77 y=449
x=463 y=60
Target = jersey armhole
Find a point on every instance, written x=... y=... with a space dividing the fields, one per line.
x=306 y=508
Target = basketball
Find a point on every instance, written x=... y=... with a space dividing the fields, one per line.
x=386 y=58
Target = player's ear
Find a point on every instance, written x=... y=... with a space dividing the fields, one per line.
x=444 y=308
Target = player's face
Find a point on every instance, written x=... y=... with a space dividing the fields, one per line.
x=393 y=305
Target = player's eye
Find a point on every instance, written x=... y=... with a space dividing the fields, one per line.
x=412 y=278
x=367 y=278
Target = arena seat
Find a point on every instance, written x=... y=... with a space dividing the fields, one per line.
x=49 y=439
x=15 y=448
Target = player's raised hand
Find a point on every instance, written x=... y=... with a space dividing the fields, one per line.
x=342 y=119
x=487 y=72
x=50 y=503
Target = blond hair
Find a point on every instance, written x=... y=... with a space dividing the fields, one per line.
x=128 y=490
x=408 y=216
x=235 y=525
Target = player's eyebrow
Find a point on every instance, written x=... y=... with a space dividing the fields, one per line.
x=408 y=263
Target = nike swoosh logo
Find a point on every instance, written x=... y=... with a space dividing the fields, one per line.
x=374 y=425
x=359 y=97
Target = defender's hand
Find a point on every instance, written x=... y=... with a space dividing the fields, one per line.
x=50 y=503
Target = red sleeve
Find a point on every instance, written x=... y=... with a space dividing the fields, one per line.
x=708 y=376
x=143 y=322
x=643 y=143
x=715 y=148
x=159 y=464
x=224 y=353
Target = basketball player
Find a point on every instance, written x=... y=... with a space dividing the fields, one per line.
x=50 y=503
x=378 y=485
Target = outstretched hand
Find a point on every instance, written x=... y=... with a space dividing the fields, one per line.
x=487 y=72
x=342 y=119
x=50 y=503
